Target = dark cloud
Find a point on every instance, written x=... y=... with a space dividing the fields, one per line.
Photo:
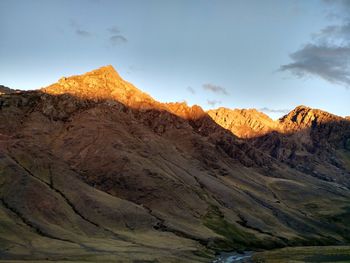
x=328 y=54
x=334 y=34
x=269 y=110
x=331 y=63
x=215 y=88
x=212 y=103
x=191 y=90
x=117 y=39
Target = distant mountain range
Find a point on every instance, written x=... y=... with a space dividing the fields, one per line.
x=93 y=169
x=6 y=90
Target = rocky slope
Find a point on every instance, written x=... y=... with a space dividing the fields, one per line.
x=310 y=140
x=244 y=123
x=93 y=169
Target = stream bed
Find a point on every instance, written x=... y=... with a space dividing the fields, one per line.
x=229 y=257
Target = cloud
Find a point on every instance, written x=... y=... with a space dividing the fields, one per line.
x=212 y=103
x=191 y=90
x=78 y=29
x=343 y=4
x=269 y=110
x=82 y=33
x=334 y=34
x=327 y=55
x=331 y=63
x=114 y=30
x=214 y=88
x=117 y=39
x=114 y=38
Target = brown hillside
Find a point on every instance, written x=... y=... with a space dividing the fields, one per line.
x=93 y=167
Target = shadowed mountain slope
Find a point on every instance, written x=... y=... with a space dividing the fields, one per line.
x=93 y=169
x=6 y=90
x=310 y=140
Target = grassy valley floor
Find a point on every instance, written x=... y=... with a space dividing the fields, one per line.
x=304 y=254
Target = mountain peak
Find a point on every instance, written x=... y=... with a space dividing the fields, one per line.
x=305 y=117
x=244 y=123
x=108 y=69
x=101 y=84
x=184 y=111
x=302 y=107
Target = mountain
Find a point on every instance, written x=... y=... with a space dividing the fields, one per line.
x=93 y=169
x=310 y=140
x=6 y=90
x=244 y=123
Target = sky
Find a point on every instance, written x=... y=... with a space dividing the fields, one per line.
x=272 y=55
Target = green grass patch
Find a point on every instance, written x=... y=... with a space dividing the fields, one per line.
x=233 y=237
x=341 y=223
x=204 y=253
x=305 y=254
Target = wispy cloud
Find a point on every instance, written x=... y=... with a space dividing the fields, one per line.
x=212 y=103
x=114 y=30
x=269 y=110
x=344 y=4
x=328 y=54
x=334 y=34
x=82 y=33
x=78 y=29
x=215 y=88
x=191 y=90
x=116 y=37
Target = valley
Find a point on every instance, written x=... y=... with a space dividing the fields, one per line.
x=94 y=170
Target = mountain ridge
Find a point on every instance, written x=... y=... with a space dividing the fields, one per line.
x=93 y=85
x=119 y=176
x=6 y=90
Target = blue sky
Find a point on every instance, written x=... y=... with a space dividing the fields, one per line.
x=270 y=55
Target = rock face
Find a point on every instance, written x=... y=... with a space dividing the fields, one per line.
x=303 y=117
x=92 y=168
x=244 y=123
x=252 y=123
x=102 y=84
